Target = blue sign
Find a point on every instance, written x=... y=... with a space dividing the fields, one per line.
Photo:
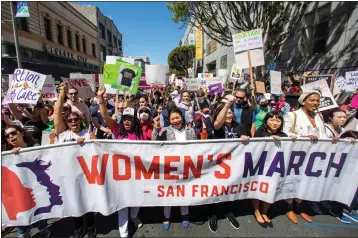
x=22 y=9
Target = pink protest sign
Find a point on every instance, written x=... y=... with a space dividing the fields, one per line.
x=354 y=103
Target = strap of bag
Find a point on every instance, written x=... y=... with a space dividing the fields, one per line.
x=293 y=128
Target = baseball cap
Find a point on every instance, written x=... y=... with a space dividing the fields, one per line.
x=128 y=112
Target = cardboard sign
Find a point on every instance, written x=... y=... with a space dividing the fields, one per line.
x=327 y=99
x=275 y=80
x=354 y=103
x=314 y=78
x=215 y=88
x=49 y=89
x=193 y=84
x=352 y=81
x=247 y=40
x=156 y=74
x=122 y=76
x=82 y=85
x=260 y=87
x=24 y=87
x=90 y=78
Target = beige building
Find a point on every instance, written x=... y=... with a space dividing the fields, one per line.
x=56 y=39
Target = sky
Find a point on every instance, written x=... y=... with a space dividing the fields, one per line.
x=147 y=28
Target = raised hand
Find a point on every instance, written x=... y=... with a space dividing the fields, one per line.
x=157 y=122
x=101 y=91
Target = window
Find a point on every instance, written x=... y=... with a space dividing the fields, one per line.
x=59 y=34
x=110 y=52
x=69 y=39
x=84 y=45
x=109 y=36
x=223 y=62
x=210 y=47
x=78 y=42
x=102 y=31
x=48 y=30
x=115 y=41
x=103 y=53
x=94 y=50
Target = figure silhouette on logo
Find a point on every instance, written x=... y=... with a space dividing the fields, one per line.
x=17 y=198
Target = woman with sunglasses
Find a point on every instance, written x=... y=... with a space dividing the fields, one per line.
x=68 y=129
x=129 y=128
x=176 y=131
x=17 y=138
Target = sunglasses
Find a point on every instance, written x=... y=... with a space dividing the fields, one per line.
x=13 y=133
x=126 y=118
x=75 y=119
x=241 y=98
x=144 y=111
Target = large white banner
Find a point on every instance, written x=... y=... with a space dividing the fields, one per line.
x=157 y=74
x=107 y=175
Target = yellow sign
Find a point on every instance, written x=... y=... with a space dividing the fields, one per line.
x=198 y=42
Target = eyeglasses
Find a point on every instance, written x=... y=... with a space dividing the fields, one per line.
x=13 y=133
x=241 y=98
x=75 y=119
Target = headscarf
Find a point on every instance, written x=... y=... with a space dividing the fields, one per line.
x=305 y=95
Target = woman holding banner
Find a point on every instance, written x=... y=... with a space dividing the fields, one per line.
x=305 y=122
x=68 y=129
x=128 y=128
x=16 y=139
x=175 y=132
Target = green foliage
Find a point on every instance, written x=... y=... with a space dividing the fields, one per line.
x=180 y=11
x=181 y=59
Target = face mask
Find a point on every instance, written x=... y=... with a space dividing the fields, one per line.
x=144 y=116
x=206 y=115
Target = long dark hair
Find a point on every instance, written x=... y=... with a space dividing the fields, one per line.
x=28 y=139
x=352 y=134
x=137 y=129
x=269 y=115
x=219 y=109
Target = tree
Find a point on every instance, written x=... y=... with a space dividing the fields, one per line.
x=181 y=59
x=220 y=20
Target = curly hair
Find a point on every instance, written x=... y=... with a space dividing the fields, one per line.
x=137 y=129
x=28 y=139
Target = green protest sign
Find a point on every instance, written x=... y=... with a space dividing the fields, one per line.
x=122 y=76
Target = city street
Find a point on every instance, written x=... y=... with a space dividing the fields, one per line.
x=322 y=226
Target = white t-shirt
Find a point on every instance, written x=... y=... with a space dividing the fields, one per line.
x=69 y=136
x=180 y=135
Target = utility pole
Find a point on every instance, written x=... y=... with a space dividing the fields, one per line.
x=19 y=65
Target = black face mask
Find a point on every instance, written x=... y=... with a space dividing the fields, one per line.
x=264 y=104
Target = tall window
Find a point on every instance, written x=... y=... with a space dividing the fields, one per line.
x=103 y=53
x=78 y=42
x=94 y=50
x=103 y=32
x=59 y=34
x=84 y=45
x=69 y=39
x=109 y=36
x=48 y=30
x=115 y=41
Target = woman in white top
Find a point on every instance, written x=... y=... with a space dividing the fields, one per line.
x=304 y=122
x=73 y=130
x=337 y=119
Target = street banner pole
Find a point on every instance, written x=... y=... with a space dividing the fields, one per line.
x=19 y=65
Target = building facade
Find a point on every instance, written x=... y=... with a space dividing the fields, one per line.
x=326 y=41
x=109 y=38
x=55 y=40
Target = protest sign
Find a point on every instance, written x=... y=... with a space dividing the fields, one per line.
x=90 y=78
x=122 y=76
x=260 y=87
x=257 y=59
x=321 y=86
x=215 y=88
x=172 y=77
x=82 y=86
x=193 y=84
x=156 y=74
x=113 y=59
x=110 y=90
x=213 y=80
x=354 y=103
x=179 y=82
x=24 y=87
x=162 y=173
x=235 y=73
x=313 y=78
x=275 y=80
x=247 y=40
x=49 y=89
x=339 y=84
x=352 y=81
x=223 y=74
x=204 y=77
